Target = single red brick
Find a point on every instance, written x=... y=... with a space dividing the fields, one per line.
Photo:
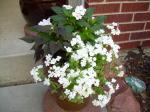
x=95 y=1
x=148 y=25
x=132 y=7
x=121 y=37
x=106 y=8
x=119 y=18
x=142 y=16
x=146 y=43
x=129 y=45
x=131 y=27
x=140 y=35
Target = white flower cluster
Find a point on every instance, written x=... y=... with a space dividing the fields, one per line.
x=35 y=73
x=114 y=28
x=45 y=22
x=87 y=51
x=79 y=12
x=50 y=61
x=84 y=76
x=105 y=98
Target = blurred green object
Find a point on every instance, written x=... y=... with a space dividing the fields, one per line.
x=136 y=84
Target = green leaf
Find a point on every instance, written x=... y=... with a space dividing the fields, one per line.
x=28 y=39
x=58 y=19
x=83 y=23
x=65 y=32
x=57 y=10
x=98 y=90
x=46 y=36
x=89 y=13
x=100 y=19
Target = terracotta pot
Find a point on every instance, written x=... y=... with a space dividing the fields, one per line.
x=35 y=10
x=70 y=106
x=67 y=105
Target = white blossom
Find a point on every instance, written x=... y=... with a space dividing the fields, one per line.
x=121 y=74
x=35 y=73
x=46 y=82
x=68 y=7
x=45 y=22
x=79 y=12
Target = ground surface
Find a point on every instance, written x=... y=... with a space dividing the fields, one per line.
x=23 y=98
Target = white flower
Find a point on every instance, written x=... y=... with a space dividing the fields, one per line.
x=115 y=31
x=46 y=82
x=110 y=27
x=35 y=73
x=121 y=74
x=64 y=81
x=113 y=80
x=71 y=95
x=79 y=12
x=114 y=24
x=67 y=91
x=96 y=102
x=83 y=63
x=68 y=49
x=77 y=16
x=117 y=87
x=45 y=22
x=68 y=7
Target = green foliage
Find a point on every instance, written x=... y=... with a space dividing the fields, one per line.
x=54 y=86
x=57 y=10
x=73 y=64
x=89 y=13
x=99 y=90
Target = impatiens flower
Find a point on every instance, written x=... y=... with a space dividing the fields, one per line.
x=68 y=7
x=45 y=22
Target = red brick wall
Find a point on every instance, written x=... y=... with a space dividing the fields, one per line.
x=133 y=17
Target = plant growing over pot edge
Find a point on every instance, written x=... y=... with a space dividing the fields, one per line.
x=76 y=67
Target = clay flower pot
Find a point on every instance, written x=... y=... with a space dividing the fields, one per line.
x=70 y=106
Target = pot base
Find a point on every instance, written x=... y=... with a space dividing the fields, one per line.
x=50 y=105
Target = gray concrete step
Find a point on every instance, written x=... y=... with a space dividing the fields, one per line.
x=23 y=98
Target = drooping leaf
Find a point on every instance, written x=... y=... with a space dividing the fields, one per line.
x=28 y=39
x=38 y=28
x=46 y=36
x=65 y=32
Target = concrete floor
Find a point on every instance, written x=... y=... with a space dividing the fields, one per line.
x=23 y=98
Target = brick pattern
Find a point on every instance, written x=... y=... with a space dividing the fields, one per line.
x=133 y=17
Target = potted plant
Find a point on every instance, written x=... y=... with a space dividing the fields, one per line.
x=78 y=57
